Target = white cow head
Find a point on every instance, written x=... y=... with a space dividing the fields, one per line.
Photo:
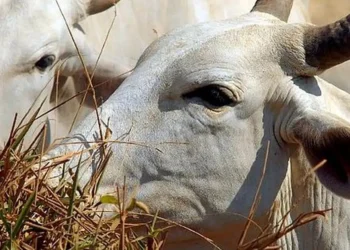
x=204 y=101
x=34 y=39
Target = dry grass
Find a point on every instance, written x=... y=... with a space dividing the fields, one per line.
x=34 y=215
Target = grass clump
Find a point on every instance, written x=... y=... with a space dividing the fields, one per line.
x=34 y=215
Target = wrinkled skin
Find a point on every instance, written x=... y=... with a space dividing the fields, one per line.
x=130 y=33
x=200 y=162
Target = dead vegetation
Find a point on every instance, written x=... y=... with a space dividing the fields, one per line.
x=34 y=215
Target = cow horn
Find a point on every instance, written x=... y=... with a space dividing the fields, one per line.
x=77 y=10
x=329 y=45
x=278 y=8
x=97 y=6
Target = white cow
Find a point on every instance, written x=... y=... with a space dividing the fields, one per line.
x=134 y=25
x=199 y=110
x=34 y=40
x=132 y=32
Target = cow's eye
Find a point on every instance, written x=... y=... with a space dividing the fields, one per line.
x=214 y=95
x=45 y=62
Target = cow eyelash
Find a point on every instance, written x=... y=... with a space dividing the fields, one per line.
x=215 y=96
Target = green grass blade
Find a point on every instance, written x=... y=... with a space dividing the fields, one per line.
x=74 y=189
x=71 y=200
x=22 y=216
x=6 y=223
x=26 y=128
x=109 y=199
x=154 y=221
x=10 y=245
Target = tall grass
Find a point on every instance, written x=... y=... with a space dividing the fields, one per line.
x=35 y=215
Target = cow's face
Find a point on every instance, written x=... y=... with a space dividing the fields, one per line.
x=34 y=39
x=207 y=104
x=199 y=99
x=200 y=95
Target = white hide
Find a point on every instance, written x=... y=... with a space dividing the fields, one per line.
x=33 y=31
x=138 y=23
x=200 y=164
x=29 y=32
x=132 y=32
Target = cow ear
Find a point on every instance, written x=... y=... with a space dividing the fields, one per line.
x=326 y=137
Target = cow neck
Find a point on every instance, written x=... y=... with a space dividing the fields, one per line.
x=301 y=193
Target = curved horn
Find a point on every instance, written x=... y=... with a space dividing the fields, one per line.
x=77 y=10
x=97 y=6
x=278 y=8
x=329 y=45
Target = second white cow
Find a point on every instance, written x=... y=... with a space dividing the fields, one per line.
x=35 y=39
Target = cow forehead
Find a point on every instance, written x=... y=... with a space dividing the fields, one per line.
x=189 y=38
x=207 y=52
x=18 y=16
x=8 y=7
x=29 y=26
x=26 y=8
